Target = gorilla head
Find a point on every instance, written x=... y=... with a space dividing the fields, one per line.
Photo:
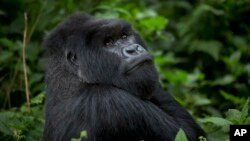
x=104 y=52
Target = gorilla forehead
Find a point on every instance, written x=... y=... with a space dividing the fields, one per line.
x=84 y=23
x=107 y=26
x=114 y=24
x=91 y=29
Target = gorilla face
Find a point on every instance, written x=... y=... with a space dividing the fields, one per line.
x=108 y=52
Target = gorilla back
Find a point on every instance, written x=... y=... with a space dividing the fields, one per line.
x=101 y=78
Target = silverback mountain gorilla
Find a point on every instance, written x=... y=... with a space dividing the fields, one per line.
x=101 y=78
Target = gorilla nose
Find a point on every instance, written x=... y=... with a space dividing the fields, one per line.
x=133 y=50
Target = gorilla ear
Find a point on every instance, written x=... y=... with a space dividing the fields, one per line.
x=71 y=57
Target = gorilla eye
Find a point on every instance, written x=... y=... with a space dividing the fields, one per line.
x=109 y=42
x=124 y=36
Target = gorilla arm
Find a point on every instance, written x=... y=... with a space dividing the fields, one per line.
x=170 y=106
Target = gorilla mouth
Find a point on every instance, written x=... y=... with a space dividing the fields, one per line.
x=135 y=63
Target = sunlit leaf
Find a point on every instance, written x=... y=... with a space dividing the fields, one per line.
x=181 y=136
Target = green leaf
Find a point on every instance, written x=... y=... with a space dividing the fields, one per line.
x=38 y=99
x=176 y=77
x=235 y=56
x=195 y=76
x=5 y=121
x=181 y=136
x=6 y=42
x=145 y=14
x=217 y=121
x=165 y=59
x=224 y=80
x=212 y=48
x=245 y=109
x=247 y=68
x=83 y=134
x=247 y=121
x=234 y=115
x=231 y=97
x=5 y=56
x=153 y=23
x=200 y=100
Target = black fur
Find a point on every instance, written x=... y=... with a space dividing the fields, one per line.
x=89 y=86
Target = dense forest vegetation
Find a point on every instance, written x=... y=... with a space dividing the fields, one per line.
x=201 y=48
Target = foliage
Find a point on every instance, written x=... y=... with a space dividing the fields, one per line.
x=181 y=136
x=83 y=135
x=218 y=125
x=17 y=124
x=201 y=49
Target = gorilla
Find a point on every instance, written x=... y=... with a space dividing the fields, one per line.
x=101 y=79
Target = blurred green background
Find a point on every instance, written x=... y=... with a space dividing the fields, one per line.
x=201 y=49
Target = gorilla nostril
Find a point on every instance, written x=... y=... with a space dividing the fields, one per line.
x=133 y=50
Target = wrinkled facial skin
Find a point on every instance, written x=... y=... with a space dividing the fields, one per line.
x=109 y=53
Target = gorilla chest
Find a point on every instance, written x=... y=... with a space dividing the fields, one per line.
x=120 y=114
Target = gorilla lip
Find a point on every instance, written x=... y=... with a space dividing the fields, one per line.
x=136 y=62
